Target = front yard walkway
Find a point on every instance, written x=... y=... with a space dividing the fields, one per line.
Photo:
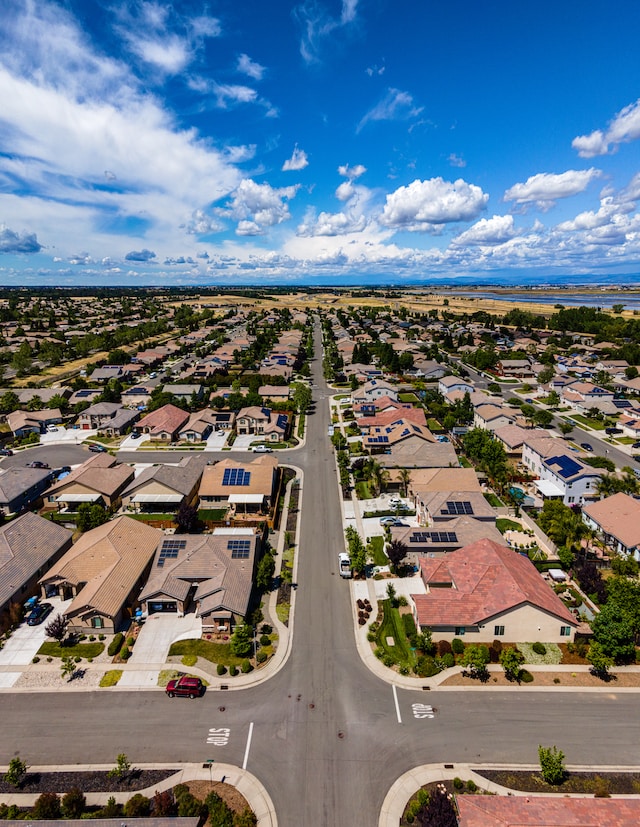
x=159 y=631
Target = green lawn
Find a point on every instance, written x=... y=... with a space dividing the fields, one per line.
x=407 y=397
x=111 y=677
x=502 y=524
x=464 y=462
x=216 y=514
x=214 y=652
x=590 y=423
x=362 y=490
x=143 y=517
x=376 y=544
x=53 y=649
x=433 y=424
x=493 y=500
x=392 y=626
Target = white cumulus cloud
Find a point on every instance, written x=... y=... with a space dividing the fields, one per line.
x=258 y=206
x=494 y=230
x=424 y=205
x=545 y=188
x=297 y=161
x=624 y=127
x=351 y=172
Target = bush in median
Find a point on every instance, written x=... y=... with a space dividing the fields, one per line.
x=116 y=643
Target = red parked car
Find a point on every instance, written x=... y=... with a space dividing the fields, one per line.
x=188 y=687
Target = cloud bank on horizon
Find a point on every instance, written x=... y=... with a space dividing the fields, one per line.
x=321 y=140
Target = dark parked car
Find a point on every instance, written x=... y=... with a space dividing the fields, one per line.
x=38 y=614
x=6 y=452
x=97 y=449
x=187 y=687
x=636 y=445
x=135 y=434
x=586 y=447
x=37 y=464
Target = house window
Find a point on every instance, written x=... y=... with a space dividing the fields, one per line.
x=498 y=631
x=97 y=622
x=459 y=631
x=565 y=631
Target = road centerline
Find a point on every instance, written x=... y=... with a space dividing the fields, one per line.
x=248 y=747
x=395 y=700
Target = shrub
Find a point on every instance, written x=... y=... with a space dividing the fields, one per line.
x=539 y=648
x=526 y=676
x=125 y=654
x=448 y=660
x=265 y=640
x=371 y=636
x=138 y=806
x=409 y=625
x=221 y=669
x=189 y=660
x=426 y=667
x=233 y=671
x=402 y=601
x=404 y=670
x=116 y=643
x=261 y=657
x=388 y=660
x=219 y=812
x=35 y=659
x=163 y=804
x=472 y=786
x=77 y=659
x=92 y=637
x=73 y=803
x=47 y=806
x=458 y=783
x=130 y=642
x=245 y=667
x=16 y=772
x=265 y=629
x=101 y=637
x=601 y=787
x=457 y=646
x=551 y=764
x=556 y=680
x=444 y=648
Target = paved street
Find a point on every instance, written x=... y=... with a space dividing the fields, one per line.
x=328 y=739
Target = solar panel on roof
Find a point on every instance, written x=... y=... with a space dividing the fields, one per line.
x=236 y=476
x=239 y=549
x=567 y=467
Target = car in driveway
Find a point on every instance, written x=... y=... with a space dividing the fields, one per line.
x=39 y=613
x=185 y=687
x=387 y=521
x=37 y=464
x=135 y=435
x=586 y=447
x=635 y=445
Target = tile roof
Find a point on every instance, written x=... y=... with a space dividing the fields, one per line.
x=180 y=478
x=167 y=418
x=16 y=481
x=100 y=473
x=488 y=579
x=538 y=811
x=110 y=560
x=260 y=480
x=618 y=515
x=26 y=545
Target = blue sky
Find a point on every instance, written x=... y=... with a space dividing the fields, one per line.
x=348 y=141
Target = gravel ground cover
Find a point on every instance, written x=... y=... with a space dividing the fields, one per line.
x=89 y=782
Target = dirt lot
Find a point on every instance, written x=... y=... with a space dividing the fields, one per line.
x=621 y=679
x=229 y=794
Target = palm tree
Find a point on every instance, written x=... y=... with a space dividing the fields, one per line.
x=376 y=475
x=405 y=478
x=607 y=485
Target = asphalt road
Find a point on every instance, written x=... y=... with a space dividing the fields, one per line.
x=323 y=735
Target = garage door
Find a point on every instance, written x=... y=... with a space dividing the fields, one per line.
x=163 y=606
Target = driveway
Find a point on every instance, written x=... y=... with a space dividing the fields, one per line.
x=66 y=436
x=159 y=631
x=24 y=643
x=130 y=444
x=216 y=440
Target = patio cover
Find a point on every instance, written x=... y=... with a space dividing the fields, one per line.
x=79 y=498
x=246 y=498
x=548 y=488
x=157 y=498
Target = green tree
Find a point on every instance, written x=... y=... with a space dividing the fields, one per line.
x=565 y=428
x=631 y=372
x=404 y=476
x=614 y=633
x=301 y=396
x=358 y=554
x=16 y=772
x=46 y=806
x=551 y=765
x=91 y=516
x=241 y=641
x=511 y=660
x=73 y=803
x=475 y=659
x=396 y=552
x=546 y=375
x=68 y=667
x=122 y=767
x=266 y=570
x=138 y=806
x=439 y=810
x=600 y=662
x=245 y=818
x=543 y=418
x=219 y=813
x=57 y=629
x=186 y=517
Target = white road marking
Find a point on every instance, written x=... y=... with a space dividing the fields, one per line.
x=395 y=700
x=422 y=711
x=218 y=737
x=246 y=752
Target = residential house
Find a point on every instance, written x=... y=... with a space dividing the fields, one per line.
x=443 y=506
x=99 y=481
x=274 y=393
x=185 y=393
x=415 y=451
x=380 y=439
x=617 y=521
x=515 y=368
x=84 y=395
x=23 y=423
x=374 y=389
x=449 y=384
x=426 y=481
x=391 y=417
x=29 y=545
x=427 y=369
x=560 y=475
x=199 y=426
x=488 y=592
x=163 y=488
x=247 y=487
x=212 y=572
x=21 y=488
x=163 y=424
x=105 y=373
x=444 y=538
x=491 y=417
x=103 y=574
x=584 y=395
x=110 y=418
x=138 y=396
x=512 y=438
x=44 y=395
x=262 y=422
